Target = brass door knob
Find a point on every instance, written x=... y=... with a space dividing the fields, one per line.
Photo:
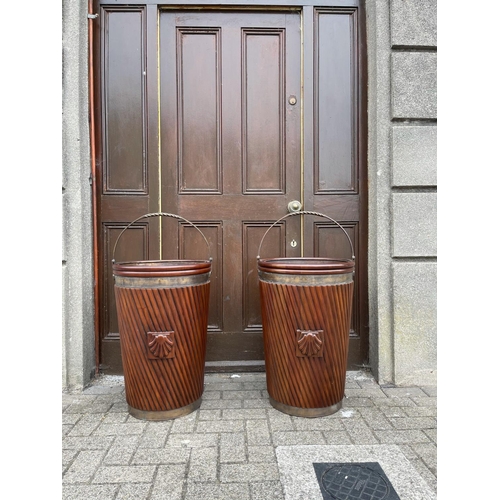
x=294 y=206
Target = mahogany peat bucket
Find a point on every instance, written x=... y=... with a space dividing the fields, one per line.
x=162 y=309
x=306 y=305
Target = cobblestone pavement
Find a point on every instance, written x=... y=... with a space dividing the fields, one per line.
x=227 y=449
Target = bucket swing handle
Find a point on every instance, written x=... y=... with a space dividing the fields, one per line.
x=160 y=214
x=306 y=212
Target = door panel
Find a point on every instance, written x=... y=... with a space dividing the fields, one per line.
x=230 y=152
x=224 y=117
x=335 y=183
x=127 y=167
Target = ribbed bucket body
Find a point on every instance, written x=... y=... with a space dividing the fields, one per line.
x=306 y=308
x=162 y=309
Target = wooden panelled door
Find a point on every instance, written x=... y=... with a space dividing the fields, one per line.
x=224 y=117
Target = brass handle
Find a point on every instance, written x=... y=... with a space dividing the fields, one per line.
x=294 y=206
x=305 y=212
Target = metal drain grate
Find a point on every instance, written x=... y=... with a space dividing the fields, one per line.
x=354 y=481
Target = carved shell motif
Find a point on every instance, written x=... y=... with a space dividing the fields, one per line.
x=161 y=343
x=309 y=342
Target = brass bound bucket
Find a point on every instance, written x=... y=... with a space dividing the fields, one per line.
x=162 y=309
x=306 y=305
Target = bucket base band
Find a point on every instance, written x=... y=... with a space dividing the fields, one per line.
x=164 y=415
x=305 y=412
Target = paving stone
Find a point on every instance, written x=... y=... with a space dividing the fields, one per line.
x=77 y=398
x=242 y=395
x=402 y=437
x=193 y=440
x=425 y=473
x=125 y=474
x=184 y=424
x=222 y=403
x=408 y=451
x=203 y=465
x=121 y=407
x=428 y=454
x=223 y=386
x=68 y=456
x=317 y=424
x=99 y=389
x=88 y=408
x=120 y=429
x=210 y=414
x=356 y=402
x=375 y=419
x=396 y=401
x=337 y=437
x=118 y=455
x=170 y=483
x=257 y=432
x=209 y=395
x=394 y=411
x=133 y=492
x=159 y=427
x=169 y=475
x=238 y=473
x=421 y=411
x=347 y=413
x=150 y=440
x=279 y=421
x=128 y=441
x=351 y=384
x=229 y=491
x=86 y=425
x=414 y=423
x=175 y=491
x=265 y=454
x=402 y=392
x=372 y=392
x=168 y=455
x=283 y=438
x=115 y=417
x=431 y=434
x=268 y=490
x=220 y=426
x=429 y=401
x=89 y=492
x=66 y=429
x=430 y=390
x=239 y=414
x=359 y=432
x=232 y=448
x=84 y=466
x=257 y=386
x=87 y=443
x=71 y=418
x=257 y=403
x=226 y=449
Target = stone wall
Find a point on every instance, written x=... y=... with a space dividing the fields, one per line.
x=78 y=363
x=402 y=54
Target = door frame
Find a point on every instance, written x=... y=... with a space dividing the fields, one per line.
x=307 y=9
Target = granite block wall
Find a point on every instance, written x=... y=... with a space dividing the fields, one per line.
x=402 y=54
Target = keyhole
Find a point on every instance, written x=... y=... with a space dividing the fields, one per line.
x=293 y=244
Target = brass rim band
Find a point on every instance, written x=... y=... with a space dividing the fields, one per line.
x=305 y=412
x=306 y=280
x=166 y=414
x=163 y=282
